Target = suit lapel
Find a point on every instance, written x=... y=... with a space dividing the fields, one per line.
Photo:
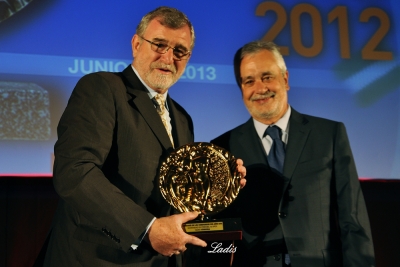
x=298 y=133
x=250 y=145
x=146 y=107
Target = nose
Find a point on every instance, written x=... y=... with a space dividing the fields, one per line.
x=260 y=86
x=168 y=56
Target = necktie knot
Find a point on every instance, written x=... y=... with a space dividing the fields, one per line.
x=161 y=103
x=274 y=132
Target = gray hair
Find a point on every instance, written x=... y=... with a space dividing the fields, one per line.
x=168 y=17
x=253 y=48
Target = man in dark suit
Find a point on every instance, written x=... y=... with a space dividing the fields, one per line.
x=112 y=139
x=310 y=212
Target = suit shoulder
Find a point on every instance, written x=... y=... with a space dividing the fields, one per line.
x=101 y=81
x=108 y=77
x=180 y=108
x=224 y=139
x=320 y=120
x=323 y=126
x=184 y=113
x=102 y=74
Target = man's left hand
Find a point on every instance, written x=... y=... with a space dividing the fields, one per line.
x=242 y=170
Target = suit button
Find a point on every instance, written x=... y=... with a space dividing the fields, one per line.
x=277 y=257
x=282 y=214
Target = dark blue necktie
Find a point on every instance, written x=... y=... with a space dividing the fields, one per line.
x=276 y=155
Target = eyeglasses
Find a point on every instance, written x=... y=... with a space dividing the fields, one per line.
x=163 y=48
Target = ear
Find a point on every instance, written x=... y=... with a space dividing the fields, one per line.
x=286 y=79
x=135 y=44
x=241 y=89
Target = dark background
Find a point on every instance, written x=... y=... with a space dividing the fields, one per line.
x=27 y=206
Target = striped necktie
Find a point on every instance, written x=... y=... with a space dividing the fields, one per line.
x=160 y=106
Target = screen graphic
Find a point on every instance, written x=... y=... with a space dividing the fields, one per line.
x=342 y=58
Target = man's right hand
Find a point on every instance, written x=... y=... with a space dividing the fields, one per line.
x=167 y=237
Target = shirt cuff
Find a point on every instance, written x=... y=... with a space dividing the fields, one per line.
x=135 y=244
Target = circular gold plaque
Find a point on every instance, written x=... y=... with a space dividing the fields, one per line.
x=199 y=177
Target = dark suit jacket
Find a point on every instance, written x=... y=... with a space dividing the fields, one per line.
x=111 y=142
x=318 y=203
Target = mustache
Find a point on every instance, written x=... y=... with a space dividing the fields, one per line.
x=265 y=95
x=157 y=65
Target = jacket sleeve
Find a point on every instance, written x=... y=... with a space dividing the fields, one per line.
x=85 y=136
x=353 y=219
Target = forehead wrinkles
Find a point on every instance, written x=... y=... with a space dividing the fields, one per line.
x=262 y=59
x=255 y=72
x=167 y=34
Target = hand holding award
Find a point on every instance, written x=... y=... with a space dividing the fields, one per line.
x=202 y=177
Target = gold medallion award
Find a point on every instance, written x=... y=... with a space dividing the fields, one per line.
x=202 y=177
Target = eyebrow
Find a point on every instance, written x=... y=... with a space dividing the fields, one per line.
x=267 y=73
x=247 y=77
x=262 y=74
x=159 y=40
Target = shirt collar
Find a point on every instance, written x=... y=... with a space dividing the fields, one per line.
x=282 y=123
x=150 y=92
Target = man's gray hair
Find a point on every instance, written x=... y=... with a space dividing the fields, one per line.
x=168 y=17
x=253 y=48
